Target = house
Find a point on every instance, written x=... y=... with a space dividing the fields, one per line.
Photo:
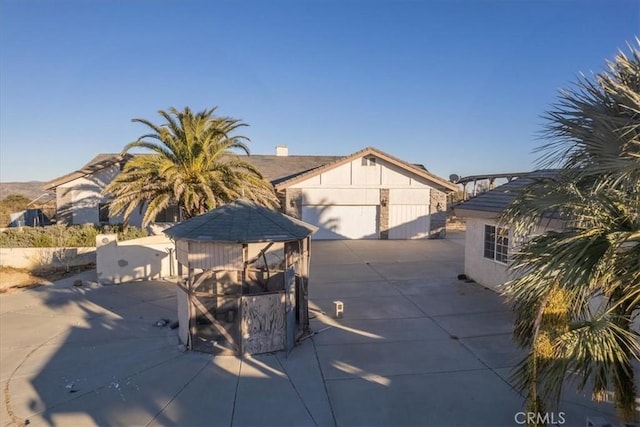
x=366 y=195
x=78 y=194
x=488 y=243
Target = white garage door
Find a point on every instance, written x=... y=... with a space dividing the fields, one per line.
x=343 y=222
x=408 y=221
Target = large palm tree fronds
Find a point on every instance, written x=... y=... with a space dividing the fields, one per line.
x=593 y=353
x=195 y=164
x=594 y=129
x=579 y=227
x=595 y=261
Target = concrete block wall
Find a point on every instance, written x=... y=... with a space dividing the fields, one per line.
x=146 y=258
x=46 y=257
x=293 y=202
x=384 y=214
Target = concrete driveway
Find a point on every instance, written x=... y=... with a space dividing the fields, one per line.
x=416 y=346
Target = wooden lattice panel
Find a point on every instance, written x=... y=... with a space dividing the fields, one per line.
x=263 y=325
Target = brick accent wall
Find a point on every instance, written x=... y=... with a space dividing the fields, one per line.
x=384 y=214
x=293 y=202
x=438 y=212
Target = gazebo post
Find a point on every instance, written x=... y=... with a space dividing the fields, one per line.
x=245 y=263
x=304 y=285
x=248 y=319
x=192 y=310
x=243 y=280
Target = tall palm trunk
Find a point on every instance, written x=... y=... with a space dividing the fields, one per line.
x=625 y=389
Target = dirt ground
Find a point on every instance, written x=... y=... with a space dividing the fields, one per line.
x=16 y=279
x=457 y=224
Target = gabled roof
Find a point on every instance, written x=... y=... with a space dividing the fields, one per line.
x=98 y=163
x=496 y=200
x=276 y=169
x=281 y=171
x=241 y=221
x=418 y=170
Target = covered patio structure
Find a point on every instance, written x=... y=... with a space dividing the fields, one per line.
x=246 y=287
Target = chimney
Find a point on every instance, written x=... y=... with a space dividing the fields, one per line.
x=282 y=150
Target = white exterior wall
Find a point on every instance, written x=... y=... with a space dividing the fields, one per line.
x=336 y=177
x=182 y=299
x=85 y=195
x=355 y=175
x=409 y=196
x=484 y=271
x=139 y=259
x=345 y=202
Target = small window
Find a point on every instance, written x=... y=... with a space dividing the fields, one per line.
x=368 y=161
x=169 y=214
x=496 y=243
x=103 y=213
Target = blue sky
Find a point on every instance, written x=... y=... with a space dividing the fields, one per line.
x=459 y=86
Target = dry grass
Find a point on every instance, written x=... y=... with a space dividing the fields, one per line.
x=13 y=279
x=455 y=223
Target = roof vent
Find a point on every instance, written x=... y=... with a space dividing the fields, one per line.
x=282 y=150
x=369 y=161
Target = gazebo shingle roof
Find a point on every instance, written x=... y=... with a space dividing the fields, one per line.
x=241 y=221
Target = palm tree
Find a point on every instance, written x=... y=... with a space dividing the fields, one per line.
x=194 y=166
x=577 y=291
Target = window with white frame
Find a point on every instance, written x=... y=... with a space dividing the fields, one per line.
x=496 y=243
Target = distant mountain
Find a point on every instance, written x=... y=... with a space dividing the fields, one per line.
x=31 y=189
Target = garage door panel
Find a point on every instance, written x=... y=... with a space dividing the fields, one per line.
x=409 y=221
x=343 y=222
x=341 y=196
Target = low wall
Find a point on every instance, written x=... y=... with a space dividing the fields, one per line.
x=46 y=257
x=139 y=259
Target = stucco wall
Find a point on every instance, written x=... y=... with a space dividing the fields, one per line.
x=486 y=272
x=39 y=257
x=78 y=200
x=84 y=195
x=139 y=259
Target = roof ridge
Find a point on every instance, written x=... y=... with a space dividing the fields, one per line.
x=372 y=150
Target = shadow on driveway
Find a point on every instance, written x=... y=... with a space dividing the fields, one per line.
x=415 y=347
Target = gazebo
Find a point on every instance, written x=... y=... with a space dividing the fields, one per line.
x=246 y=287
